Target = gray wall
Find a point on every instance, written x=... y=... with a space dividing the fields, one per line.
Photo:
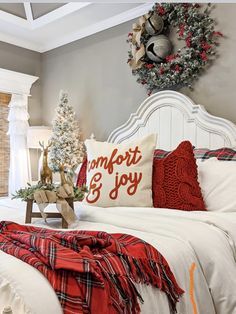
x=100 y=84
x=25 y=61
x=216 y=90
x=103 y=90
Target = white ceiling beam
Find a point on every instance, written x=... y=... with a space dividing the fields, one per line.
x=28 y=12
x=58 y=13
x=10 y=18
x=100 y=26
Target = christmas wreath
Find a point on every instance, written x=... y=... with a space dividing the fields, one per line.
x=151 y=56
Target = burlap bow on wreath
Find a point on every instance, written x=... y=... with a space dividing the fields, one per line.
x=138 y=49
x=45 y=197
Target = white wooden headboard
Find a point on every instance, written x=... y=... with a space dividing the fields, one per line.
x=175 y=117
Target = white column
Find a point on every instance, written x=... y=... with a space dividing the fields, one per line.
x=19 y=172
x=19 y=85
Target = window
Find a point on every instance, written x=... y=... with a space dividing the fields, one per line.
x=4 y=144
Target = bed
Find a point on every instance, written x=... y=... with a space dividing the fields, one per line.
x=199 y=246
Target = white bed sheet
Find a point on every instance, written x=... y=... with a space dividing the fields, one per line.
x=206 y=239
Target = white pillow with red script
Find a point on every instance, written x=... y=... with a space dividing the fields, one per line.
x=120 y=174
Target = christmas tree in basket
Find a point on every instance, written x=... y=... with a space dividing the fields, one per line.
x=67 y=148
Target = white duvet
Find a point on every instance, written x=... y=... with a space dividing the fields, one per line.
x=184 y=238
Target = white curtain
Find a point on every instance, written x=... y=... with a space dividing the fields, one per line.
x=19 y=172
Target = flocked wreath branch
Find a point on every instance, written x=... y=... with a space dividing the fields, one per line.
x=194 y=27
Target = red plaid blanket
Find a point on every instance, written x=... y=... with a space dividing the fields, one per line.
x=91 y=271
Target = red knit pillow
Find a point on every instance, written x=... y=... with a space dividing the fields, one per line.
x=81 y=179
x=175 y=182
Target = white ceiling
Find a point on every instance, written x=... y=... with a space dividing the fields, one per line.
x=45 y=26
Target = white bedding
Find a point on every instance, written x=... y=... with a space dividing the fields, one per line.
x=206 y=239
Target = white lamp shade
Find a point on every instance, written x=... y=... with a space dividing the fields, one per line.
x=38 y=134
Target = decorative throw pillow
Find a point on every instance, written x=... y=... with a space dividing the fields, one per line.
x=217 y=180
x=175 y=182
x=160 y=153
x=120 y=174
x=224 y=153
x=81 y=179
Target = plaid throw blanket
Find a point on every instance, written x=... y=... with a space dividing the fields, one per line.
x=91 y=271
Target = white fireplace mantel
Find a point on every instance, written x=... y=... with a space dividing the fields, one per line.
x=15 y=82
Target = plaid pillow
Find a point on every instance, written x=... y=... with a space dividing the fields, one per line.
x=223 y=153
x=160 y=153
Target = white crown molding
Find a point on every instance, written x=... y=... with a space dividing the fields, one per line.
x=23 y=43
x=100 y=26
x=15 y=82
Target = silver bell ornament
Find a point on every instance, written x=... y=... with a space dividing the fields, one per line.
x=158 y=48
x=154 y=24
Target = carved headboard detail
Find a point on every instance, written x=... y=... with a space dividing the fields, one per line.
x=175 y=117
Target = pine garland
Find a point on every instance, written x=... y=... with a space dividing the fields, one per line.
x=196 y=29
x=27 y=193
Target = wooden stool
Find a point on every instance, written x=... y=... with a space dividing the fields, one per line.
x=31 y=214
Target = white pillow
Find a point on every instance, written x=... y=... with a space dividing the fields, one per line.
x=218 y=184
x=120 y=174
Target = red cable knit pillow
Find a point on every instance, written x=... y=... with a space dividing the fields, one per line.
x=175 y=182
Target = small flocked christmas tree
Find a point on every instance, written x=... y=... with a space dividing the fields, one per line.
x=67 y=148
